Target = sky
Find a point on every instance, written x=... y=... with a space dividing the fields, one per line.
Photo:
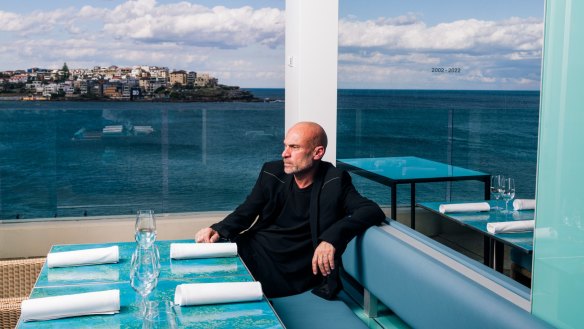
x=383 y=44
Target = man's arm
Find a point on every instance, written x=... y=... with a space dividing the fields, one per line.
x=240 y=219
x=361 y=213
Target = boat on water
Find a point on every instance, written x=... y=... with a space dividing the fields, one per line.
x=117 y=133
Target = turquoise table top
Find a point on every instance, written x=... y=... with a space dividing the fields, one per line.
x=236 y=315
x=392 y=171
x=478 y=221
x=80 y=279
x=409 y=168
x=170 y=269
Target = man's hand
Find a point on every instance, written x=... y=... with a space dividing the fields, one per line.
x=323 y=259
x=207 y=235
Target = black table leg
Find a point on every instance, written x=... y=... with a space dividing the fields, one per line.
x=499 y=252
x=487 y=251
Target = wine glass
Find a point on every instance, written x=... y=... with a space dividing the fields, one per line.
x=496 y=189
x=145 y=228
x=508 y=192
x=144 y=271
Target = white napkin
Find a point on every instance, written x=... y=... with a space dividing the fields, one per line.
x=48 y=308
x=217 y=293
x=523 y=204
x=511 y=227
x=202 y=250
x=464 y=207
x=84 y=257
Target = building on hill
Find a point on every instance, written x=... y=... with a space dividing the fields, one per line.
x=205 y=80
x=178 y=77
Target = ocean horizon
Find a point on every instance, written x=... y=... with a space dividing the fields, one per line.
x=58 y=162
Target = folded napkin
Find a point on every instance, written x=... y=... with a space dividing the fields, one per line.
x=202 y=250
x=523 y=204
x=48 y=308
x=217 y=293
x=464 y=207
x=84 y=257
x=511 y=227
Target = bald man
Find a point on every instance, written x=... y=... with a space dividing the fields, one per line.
x=307 y=211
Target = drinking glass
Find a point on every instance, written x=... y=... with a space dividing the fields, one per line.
x=497 y=189
x=508 y=192
x=145 y=228
x=144 y=271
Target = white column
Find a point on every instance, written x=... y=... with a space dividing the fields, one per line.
x=311 y=66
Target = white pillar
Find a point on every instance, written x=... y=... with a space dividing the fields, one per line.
x=311 y=66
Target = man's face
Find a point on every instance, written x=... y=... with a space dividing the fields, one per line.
x=299 y=154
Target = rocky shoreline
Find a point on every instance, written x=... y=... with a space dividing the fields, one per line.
x=220 y=93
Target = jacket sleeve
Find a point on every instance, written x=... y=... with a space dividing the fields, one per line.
x=360 y=213
x=245 y=214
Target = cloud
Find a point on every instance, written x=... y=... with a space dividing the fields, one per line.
x=191 y=24
x=35 y=22
x=469 y=34
x=405 y=49
x=149 y=22
x=379 y=58
x=247 y=43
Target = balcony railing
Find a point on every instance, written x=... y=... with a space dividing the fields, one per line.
x=72 y=159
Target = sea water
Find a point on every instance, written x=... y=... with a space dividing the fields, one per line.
x=56 y=160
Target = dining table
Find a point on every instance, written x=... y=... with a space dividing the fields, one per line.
x=477 y=221
x=90 y=278
x=394 y=171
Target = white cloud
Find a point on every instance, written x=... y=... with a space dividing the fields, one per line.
x=402 y=51
x=186 y=23
x=379 y=58
x=246 y=44
x=470 y=34
x=10 y=22
x=35 y=22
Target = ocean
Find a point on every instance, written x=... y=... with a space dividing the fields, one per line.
x=55 y=160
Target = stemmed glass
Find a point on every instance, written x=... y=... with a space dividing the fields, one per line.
x=145 y=228
x=508 y=192
x=497 y=189
x=145 y=268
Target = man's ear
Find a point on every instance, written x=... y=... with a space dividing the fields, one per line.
x=318 y=153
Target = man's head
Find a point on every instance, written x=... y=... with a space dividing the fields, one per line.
x=304 y=146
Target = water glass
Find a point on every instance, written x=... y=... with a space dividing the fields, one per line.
x=497 y=189
x=163 y=315
x=508 y=192
x=145 y=228
x=144 y=272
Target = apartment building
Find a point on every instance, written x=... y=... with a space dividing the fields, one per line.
x=178 y=77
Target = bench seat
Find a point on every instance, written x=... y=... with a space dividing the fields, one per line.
x=429 y=286
x=306 y=310
x=424 y=283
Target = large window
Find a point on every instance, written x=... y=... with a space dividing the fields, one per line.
x=104 y=154
x=60 y=159
x=456 y=83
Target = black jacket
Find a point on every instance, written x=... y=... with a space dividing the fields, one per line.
x=337 y=211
